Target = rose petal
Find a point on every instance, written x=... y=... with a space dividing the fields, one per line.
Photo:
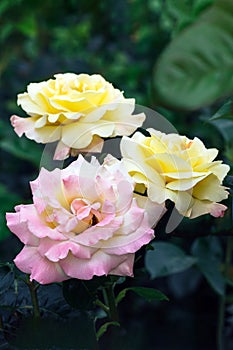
x=100 y=264
x=40 y=268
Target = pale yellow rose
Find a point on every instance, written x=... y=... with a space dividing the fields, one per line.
x=170 y=166
x=76 y=110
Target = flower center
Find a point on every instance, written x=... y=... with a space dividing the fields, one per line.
x=86 y=211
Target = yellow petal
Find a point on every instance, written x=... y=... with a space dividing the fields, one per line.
x=210 y=189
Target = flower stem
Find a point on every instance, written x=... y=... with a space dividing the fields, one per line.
x=102 y=305
x=113 y=314
x=222 y=301
x=34 y=298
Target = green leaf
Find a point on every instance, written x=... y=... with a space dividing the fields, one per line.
x=6 y=282
x=209 y=253
x=196 y=67
x=210 y=269
x=225 y=127
x=207 y=248
x=28 y=26
x=105 y=327
x=166 y=259
x=20 y=148
x=200 y=5
x=149 y=294
x=225 y=111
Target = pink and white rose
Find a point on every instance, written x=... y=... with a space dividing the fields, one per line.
x=76 y=110
x=85 y=220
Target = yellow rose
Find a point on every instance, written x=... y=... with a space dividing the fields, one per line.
x=170 y=166
x=76 y=110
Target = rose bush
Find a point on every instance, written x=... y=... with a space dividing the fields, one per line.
x=76 y=110
x=170 y=166
x=84 y=221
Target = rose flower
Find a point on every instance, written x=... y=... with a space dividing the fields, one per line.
x=84 y=221
x=170 y=166
x=76 y=110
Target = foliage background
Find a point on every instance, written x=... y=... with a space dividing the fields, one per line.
x=123 y=41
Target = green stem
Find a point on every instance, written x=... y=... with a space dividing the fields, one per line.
x=102 y=305
x=222 y=301
x=113 y=314
x=34 y=298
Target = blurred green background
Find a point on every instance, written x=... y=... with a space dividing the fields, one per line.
x=172 y=56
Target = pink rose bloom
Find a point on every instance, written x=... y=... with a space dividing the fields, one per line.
x=85 y=220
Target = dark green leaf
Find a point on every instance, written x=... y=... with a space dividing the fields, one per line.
x=105 y=327
x=6 y=282
x=149 y=294
x=209 y=253
x=207 y=248
x=210 y=270
x=200 y=5
x=196 y=67
x=20 y=147
x=225 y=127
x=166 y=259
x=224 y=112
